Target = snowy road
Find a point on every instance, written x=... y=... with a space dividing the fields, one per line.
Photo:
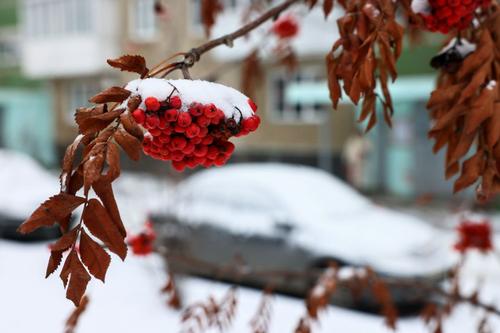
x=130 y=300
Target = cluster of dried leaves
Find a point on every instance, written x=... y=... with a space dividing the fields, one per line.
x=102 y=130
x=371 y=41
x=465 y=108
x=170 y=289
x=262 y=318
x=358 y=281
x=200 y=317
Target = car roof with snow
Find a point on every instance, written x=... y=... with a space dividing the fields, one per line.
x=325 y=214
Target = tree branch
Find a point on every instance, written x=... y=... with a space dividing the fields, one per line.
x=193 y=56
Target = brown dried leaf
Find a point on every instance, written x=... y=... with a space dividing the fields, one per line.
x=100 y=224
x=94 y=256
x=54 y=262
x=74 y=317
x=130 y=144
x=131 y=126
x=93 y=166
x=51 y=211
x=327 y=7
x=104 y=191
x=78 y=278
x=130 y=63
x=113 y=162
x=471 y=171
x=57 y=249
x=96 y=123
x=113 y=94
x=209 y=11
x=67 y=165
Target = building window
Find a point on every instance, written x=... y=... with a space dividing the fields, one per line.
x=78 y=94
x=9 y=53
x=56 y=17
x=143 y=20
x=286 y=111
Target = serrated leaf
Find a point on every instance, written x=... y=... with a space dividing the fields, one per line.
x=104 y=191
x=327 y=7
x=67 y=165
x=113 y=94
x=95 y=123
x=129 y=143
x=94 y=257
x=54 y=262
x=66 y=241
x=113 y=162
x=51 y=211
x=93 y=166
x=130 y=63
x=78 y=279
x=131 y=126
x=471 y=171
x=100 y=224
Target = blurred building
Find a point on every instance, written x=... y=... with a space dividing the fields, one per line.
x=65 y=44
x=25 y=114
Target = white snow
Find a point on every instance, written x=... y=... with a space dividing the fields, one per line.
x=24 y=184
x=315 y=37
x=327 y=216
x=491 y=85
x=228 y=99
x=130 y=301
x=464 y=47
x=421 y=7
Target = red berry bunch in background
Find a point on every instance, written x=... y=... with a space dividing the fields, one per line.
x=286 y=27
x=192 y=136
x=474 y=235
x=446 y=15
x=142 y=243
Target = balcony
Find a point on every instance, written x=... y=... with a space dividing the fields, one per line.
x=62 y=38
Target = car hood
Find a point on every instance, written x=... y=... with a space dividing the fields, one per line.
x=388 y=241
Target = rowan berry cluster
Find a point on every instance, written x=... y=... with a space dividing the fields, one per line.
x=193 y=135
x=142 y=243
x=474 y=235
x=446 y=15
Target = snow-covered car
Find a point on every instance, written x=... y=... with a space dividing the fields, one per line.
x=24 y=184
x=277 y=217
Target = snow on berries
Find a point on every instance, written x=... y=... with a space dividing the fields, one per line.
x=474 y=235
x=446 y=15
x=190 y=122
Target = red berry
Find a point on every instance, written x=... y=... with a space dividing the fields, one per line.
x=251 y=124
x=184 y=119
x=189 y=149
x=175 y=102
x=200 y=151
x=164 y=138
x=196 y=110
x=191 y=163
x=196 y=140
x=171 y=115
x=178 y=143
x=152 y=122
x=179 y=129
x=192 y=131
x=203 y=132
x=177 y=155
x=179 y=165
x=252 y=105
x=163 y=123
x=286 y=27
x=203 y=121
x=210 y=111
x=212 y=152
x=220 y=160
x=139 y=116
x=155 y=131
x=208 y=140
x=152 y=104
x=226 y=148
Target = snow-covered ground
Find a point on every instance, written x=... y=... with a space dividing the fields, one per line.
x=130 y=300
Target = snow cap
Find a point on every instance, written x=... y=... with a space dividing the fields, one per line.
x=233 y=103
